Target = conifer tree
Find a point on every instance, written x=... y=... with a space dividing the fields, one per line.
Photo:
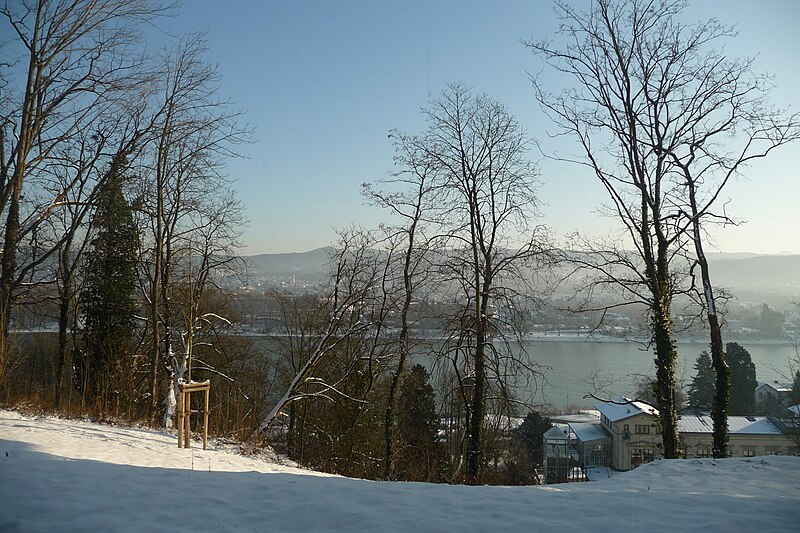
x=418 y=425
x=701 y=389
x=108 y=296
x=530 y=434
x=743 y=380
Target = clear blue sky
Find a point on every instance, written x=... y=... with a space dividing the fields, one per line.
x=324 y=82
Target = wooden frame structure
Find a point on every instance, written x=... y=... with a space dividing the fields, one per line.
x=185 y=391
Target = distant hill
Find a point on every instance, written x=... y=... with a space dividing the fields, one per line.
x=741 y=272
x=773 y=272
x=308 y=266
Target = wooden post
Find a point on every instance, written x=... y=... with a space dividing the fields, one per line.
x=187 y=424
x=205 y=420
x=180 y=417
x=185 y=411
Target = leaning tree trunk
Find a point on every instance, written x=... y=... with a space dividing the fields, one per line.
x=394 y=387
x=719 y=409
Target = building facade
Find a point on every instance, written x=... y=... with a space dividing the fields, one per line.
x=627 y=435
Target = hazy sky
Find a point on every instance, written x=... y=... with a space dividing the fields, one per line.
x=324 y=82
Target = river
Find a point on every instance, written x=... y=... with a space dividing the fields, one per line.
x=570 y=364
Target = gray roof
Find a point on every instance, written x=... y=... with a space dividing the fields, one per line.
x=555 y=434
x=587 y=432
x=741 y=425
x=774 y=386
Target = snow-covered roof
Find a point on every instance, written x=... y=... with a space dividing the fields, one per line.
x=621 y=408
x=742 y=425
x=587 y=415
x=775 y=386
x=795 y=409
x=555 y=434
x=586 y=432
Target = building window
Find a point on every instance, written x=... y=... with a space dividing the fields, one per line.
x=648 y=455
x=640 y=456
x=703 y=452
x=748 y=453
x=642 y=429
x=626 y=427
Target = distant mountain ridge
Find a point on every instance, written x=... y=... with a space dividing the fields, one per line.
x=738 y=271
x=772 y=271
x=308 y=266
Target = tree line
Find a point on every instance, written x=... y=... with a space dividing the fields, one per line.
x=116 y=206
x=118 y=210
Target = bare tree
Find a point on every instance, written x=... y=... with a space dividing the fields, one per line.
x=74 y=55
x=488 y=194
x=612 y=118
x=354 y=305
x=679 y=121
x=722 y=122
x=409 y=194
x=182 y=179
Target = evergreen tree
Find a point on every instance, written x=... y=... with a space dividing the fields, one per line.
x=743 y=380
x=796 y=388
x=418 y=426
x=701 y=389
x=529 y=436
x=108 y=301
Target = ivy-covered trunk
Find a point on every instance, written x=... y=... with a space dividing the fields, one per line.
x=666 y=359
x=665 y=349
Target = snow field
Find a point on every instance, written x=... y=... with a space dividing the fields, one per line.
x=65 y=475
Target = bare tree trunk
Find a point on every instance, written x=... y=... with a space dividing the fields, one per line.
x=394 y=386
x=63 y=321
x=719 y=408
x=6 y=281
x=404 y=343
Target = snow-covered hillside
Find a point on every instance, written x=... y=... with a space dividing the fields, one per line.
x=63 y=475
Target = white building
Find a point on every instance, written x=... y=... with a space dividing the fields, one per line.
x=748 y=436
x=627 y=435
x=773 y=399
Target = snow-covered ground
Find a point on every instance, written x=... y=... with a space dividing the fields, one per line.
x=64 y=475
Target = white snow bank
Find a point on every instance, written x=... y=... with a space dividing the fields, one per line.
x=60 y=475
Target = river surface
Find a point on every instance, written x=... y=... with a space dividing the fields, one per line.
x=568 y=364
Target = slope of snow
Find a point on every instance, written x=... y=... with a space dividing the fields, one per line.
x=61 y=475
